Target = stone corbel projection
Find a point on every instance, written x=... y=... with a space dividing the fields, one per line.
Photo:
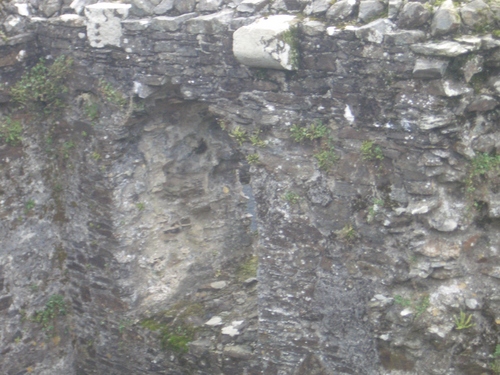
x=104 y=23
x=267 y=43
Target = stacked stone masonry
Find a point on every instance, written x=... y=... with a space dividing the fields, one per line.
x=365 y=267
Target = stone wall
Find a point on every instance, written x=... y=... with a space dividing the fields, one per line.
x=372 y=166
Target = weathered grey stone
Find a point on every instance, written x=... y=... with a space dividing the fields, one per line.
x=488 y=42
x=374 y=31
x=5 y=302
x=317 y=7
x=51 y=7
x=370 y=9
x=218 y=284
x=482 y=103
x=446 y=48
x=429 y=69
x=238 y=351
x=141 y=8
x=210 y=24
x=184 y=6
x=429 y=122
x=260 y=44
x=413 y=15
x=23 y=9
x=404 y=37
x=450 y=88
x=476 y=13
x=313 y=28
x=136 y=25
x=214 y=321
x=79 y=5
x=164 y=7
x=394 y=8
x=164 y=23
x=439 y=248
x=251 y=6
x=472 y=66
x=422 y=207
x=208 y=5
x=14 y=24
x=445 y=20
x=104 y=23
x=341 y=9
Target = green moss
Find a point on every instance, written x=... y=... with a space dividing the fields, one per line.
x=248 y=268
x=174 y=333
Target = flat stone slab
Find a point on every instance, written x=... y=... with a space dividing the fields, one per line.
x=263 y=44
x=446 y=48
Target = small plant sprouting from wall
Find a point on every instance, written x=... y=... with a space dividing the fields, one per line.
x=495 y=365
x=418 y=305
x=11 y=131
x=291 y=37
x=463 y=321
x=347 y=233
x=43 y=86
x=176 y=334
x=326 y=158
x=319 y=133
x=112 y=95
x=253 y=159
x=239 y=135
x=248 y=268
x=54 y=307
x=480 y=166
x=371 y=151
x=317 y=130
x=291 y=197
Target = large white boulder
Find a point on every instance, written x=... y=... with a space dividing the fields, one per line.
x=104 y=23
x=268 y=43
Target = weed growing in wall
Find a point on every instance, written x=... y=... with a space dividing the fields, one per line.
x=11 y=131
x=463 y=321
x=480 y=166
x=291 y=197
x=319 y=133
x=495 y=365
x=54 y=307
x=371 y=151
x=418 y=305
x=291 y=37
x=111 y=95
x=43 y=86
x=239 y=135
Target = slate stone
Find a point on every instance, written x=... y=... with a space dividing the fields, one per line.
x=445 y=20
x=482 y=103
x=5 y=302
x=163 y=7
x=413 y=15
x=429 y=69
x=445 y=48
x=341 y=9
x=476 y=13
x=370 y=9
x=184 y=6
